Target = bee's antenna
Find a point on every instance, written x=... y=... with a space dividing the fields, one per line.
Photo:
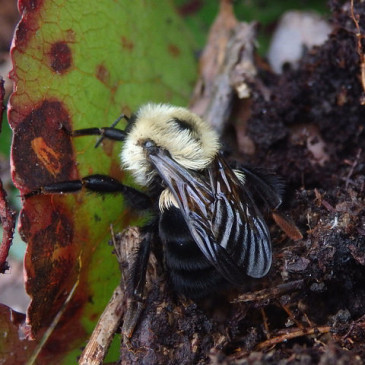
x=122 y=116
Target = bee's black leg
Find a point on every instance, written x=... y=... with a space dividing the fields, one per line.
x=122 y=116
x=137 y=276
x=136 y=282
x=102 y=184
x=105 y=132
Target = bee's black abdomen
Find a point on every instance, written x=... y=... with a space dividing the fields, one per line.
x=190 y=272
x=197 y=284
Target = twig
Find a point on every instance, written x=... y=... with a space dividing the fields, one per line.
x=227 y=67
x=291 y=315
x=102 y=336
x=353 y=165
x=100 y=340
x=266 y=323
x=271 y=293
x=291 y=334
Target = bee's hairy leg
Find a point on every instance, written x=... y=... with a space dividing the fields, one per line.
x=102 y=184
x=104 y=132
x=136 y=282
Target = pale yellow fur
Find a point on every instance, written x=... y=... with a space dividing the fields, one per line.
x=167 y=200
x=192 y=150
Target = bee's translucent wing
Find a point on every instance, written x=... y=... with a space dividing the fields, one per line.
x=221 y=216
x=238 y=224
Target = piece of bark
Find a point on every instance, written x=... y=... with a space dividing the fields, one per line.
x=227 y=67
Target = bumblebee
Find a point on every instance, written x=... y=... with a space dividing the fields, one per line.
x=204 y=210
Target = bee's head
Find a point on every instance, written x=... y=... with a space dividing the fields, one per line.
x=187 y=138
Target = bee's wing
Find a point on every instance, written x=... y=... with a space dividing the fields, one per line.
x=239 y=226
x=221 y=217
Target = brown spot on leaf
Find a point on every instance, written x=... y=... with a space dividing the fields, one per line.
x=115 y=170
x=102 y=73
x=51 y=259
x=30 y=5
x=42 y=152
x=190 y=7
x=46 y=155
x=108 y=147
x=60 y=57
x=22 y=34
x=127 y=44
x=174 y=50
x=29 y=23
x=70 y=36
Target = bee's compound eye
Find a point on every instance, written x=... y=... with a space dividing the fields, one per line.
x=149 y=144
x=149 y=147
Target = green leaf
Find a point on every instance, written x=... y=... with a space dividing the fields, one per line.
x=80 y=64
